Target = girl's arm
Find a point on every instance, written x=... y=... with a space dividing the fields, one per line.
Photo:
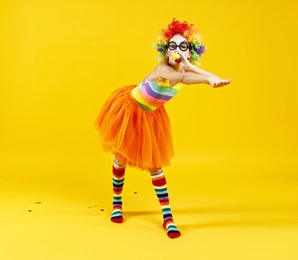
x=211 y=78
x=163 y=71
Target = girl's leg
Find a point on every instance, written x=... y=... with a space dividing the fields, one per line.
x=160 y=187
x=118 y=181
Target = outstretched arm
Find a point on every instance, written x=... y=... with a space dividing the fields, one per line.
x=211 y=78
x=208 y=78
x=166 y=72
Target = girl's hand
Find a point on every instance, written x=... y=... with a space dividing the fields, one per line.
x=185 y=63
x=217 y=82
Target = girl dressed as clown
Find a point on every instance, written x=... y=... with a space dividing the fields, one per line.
x=133 y=123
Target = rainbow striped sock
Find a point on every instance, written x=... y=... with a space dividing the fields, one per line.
x=118 y=181
x=160 y=187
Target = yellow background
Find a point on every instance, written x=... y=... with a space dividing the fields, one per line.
x=233 y=182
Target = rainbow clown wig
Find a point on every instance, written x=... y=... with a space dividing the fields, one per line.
x=189 y=31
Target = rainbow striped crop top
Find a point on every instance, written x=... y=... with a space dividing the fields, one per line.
x=150 y=94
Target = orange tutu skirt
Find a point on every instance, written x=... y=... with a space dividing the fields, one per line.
x=140 y=138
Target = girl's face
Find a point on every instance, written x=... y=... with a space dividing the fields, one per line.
x=177 y=44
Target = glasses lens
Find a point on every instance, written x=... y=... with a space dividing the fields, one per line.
x=172 y=45
x=183 y=46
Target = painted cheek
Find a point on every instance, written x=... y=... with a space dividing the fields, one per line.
x=186 y=54
x=170 y=54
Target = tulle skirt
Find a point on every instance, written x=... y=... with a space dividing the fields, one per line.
x=140 y=138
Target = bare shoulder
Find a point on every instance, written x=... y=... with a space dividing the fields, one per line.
x=159 y=71
x=164 y=67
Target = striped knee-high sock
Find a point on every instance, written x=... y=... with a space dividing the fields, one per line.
x=118 y=181
x=160 y=187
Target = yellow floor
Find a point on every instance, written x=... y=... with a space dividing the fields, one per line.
x=226 y=209
x=61 y=59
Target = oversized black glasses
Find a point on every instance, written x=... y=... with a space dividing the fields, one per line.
x=183 y=46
